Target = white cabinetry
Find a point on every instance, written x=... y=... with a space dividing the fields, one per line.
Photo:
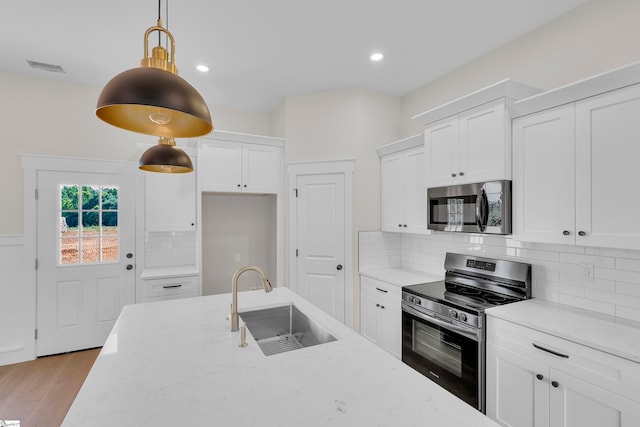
x=170 y=201
x=575 y=171
x=227 y=166
x=403 y=191
x=164 y=288
x=539 y=380
x=472 y=146
x=381 y=315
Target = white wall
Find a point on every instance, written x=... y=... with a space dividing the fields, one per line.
x=340 y=125
x=52 y=117
x=557 y=270
x=594 y=38
x=242 y=226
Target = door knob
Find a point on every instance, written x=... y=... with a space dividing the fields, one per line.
x=539 y=376
x=129 y=266
x=339 y=267
x=566 y=232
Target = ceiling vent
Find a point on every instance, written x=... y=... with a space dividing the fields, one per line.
x=46 y=67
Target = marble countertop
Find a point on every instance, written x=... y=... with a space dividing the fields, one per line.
x=176 y=363
x=401 y=276
x=619 y=337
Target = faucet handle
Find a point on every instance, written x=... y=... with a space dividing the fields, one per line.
x=243 y=336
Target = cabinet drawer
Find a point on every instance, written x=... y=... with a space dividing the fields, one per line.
x=607 y=371
x=381 y=289
x=167 y=287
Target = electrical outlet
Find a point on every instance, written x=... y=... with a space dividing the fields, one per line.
x=236 y=257
x=587 y=272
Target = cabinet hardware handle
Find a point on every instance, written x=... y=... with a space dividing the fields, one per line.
x=238 y=185
x=404 y=225
x=399 y=225
x=179 y=285
x=382 y=290
x=566 y=232
x=129 y=266
x=382 y=307
x=377 y=305
x=540 y=376
x=453 y=175
x=581 y=233
x=461 y=174
x=555 y=353
x=555 y=384
x=129 y=255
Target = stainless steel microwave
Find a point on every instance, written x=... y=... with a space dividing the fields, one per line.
x=483 y=207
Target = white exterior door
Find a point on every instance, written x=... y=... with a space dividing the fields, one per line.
x=321 y=241
x=85 y=245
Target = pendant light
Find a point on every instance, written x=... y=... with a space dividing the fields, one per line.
x=152 y=99
x=165 y=157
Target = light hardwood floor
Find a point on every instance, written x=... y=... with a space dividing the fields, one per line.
x=40 y=392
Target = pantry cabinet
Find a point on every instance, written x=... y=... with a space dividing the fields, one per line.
x=538 y=380
x=574 y=169
x=381 y=315
x=232 y=167
x=403 y=191
x=472 y=146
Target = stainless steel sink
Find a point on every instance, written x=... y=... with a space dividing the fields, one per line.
x=284 y=328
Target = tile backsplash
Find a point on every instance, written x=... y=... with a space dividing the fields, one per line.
x=598 y=279
x=169 y=249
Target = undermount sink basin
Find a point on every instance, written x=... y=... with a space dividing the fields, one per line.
x=284 y=328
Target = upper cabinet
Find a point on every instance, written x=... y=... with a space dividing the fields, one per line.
x=470 y=147
x=230 y=166
x=469 y=140
x=170 y=201
x=402 y=183
x=575 y=167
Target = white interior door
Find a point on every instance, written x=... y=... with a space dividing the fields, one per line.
x=85 y=257
x=321 y=241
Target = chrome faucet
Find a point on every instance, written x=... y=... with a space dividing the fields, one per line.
x=234 y=291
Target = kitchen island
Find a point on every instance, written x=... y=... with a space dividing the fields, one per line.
x=176 y=363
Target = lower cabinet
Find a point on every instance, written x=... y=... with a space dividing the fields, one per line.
x=165 y=288
x=539 y=380
x=381 y=314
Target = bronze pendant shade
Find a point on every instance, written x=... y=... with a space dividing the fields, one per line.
x=154 y=102
x=165 y=157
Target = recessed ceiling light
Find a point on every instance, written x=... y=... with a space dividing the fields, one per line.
x=202 y=68
x=376 y=57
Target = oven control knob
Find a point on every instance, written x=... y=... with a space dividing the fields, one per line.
x=417 y=301
x=453 y=314
x=462 y=317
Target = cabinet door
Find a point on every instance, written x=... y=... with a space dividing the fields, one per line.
x=369 y=317
x=391 y=327
x=543 y=177
x=220 y=166
x=516 y=397
x=261 y=169
x=607 y=172
x=484 y=152
x=441 y=143
x=170 y=201
x=391 y=197
x=415 y=191
x=577 y=403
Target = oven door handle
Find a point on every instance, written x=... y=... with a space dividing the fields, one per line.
x=467 y=332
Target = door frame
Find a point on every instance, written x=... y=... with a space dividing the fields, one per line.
x=346 y=168
x=31 y=165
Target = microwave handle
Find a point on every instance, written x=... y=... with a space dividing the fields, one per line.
x=482 y=210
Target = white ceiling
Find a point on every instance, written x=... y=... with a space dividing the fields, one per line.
x=261 y=51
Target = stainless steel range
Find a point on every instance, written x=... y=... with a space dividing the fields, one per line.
x=443 y=334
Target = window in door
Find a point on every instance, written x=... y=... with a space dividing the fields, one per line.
x=88 y=232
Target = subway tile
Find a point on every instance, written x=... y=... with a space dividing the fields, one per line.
x=628 y=288
x=617 y=275
x=614 y=298
x=560 y=288
x=628 y=313
x=579 y=280
x=587 y=304
x=628 y=264
x=600 y=261
x=617 y=253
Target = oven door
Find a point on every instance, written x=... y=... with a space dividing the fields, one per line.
x=450 y=355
